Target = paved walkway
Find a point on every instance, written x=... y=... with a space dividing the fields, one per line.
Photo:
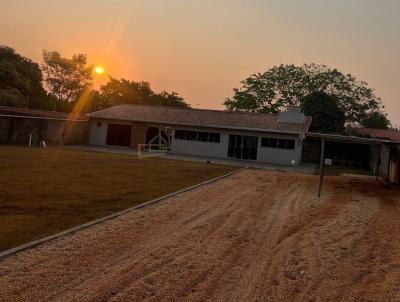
x=303 y=168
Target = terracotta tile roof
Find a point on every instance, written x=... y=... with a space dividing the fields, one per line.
x=393 y=135
x=202 y=118
x=41 y=113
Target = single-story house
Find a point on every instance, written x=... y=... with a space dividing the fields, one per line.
x=259 y=137
x=23 y=126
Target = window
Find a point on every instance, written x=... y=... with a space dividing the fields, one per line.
x=214 y=137
x=202 y=136
x=279 y=143
x=291 y=144
x=191 y=135
x=265 y=142
x=282 y=143
x=199 y=136
x=180 y=134
x=98 y=124
x=273 y=142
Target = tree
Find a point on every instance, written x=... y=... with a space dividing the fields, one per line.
x=169 y=99
x=286 y=85
x=96 y=101
x=20 y=81
x=326 y=115
x=376 y=120
x=66 y=79
x=126 y=92
x=123 y=91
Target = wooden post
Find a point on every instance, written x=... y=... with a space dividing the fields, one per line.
x=321 y=166
x=389 y=166
x=378 y=164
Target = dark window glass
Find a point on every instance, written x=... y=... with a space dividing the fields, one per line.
x=273 y=142
x=202 y=136
x=214 y=137
x=265 y=142
x=282 y=143
x=191 y=135
x=291 y=144
x=180 y=134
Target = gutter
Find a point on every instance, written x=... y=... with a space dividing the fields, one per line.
x=43 y=118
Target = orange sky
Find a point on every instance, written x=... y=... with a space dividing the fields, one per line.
x=203 y=48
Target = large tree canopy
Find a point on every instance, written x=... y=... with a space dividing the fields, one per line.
x=66 y=79
x=20 y=80
x=376 y=120
x=286 y=85
x=326 y=115
x=117 y=92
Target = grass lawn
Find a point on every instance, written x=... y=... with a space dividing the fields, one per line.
x=44 y=191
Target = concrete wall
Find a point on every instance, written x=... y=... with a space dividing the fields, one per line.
x=220 y=150
x=17 y=130
x=97 y=132
x=280 y=156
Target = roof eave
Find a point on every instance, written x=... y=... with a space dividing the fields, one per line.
x=208 y=126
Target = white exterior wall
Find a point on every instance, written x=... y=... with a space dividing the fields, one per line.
x=98 y=135
x=280 y=156
x=220 y=150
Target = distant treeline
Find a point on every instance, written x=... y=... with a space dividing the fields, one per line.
x=66 y=85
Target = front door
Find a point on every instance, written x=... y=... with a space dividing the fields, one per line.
x=242 y=147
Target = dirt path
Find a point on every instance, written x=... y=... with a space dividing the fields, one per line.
x=255 y=236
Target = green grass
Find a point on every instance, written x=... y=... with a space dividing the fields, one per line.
x=44 y=191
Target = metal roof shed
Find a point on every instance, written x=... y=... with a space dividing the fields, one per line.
x=350 y=140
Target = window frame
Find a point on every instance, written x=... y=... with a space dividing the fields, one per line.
x=197 y=136
x=278 y=143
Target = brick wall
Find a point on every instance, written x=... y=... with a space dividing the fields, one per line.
x=138 y=134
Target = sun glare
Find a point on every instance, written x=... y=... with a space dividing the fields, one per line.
x=99 y=70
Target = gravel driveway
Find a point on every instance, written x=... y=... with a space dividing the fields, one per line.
x=254 y=236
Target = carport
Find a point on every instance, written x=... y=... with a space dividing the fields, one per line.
x=385 y=158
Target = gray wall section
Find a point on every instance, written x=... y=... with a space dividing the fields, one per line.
x=98 y=131
x=280 y=156
x=218 y=150
x=98 y=134
x=266 y=155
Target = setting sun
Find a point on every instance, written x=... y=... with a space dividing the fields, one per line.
x=99 y=69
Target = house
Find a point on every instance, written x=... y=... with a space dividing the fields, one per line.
x=25 y=126
x=259 y=137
